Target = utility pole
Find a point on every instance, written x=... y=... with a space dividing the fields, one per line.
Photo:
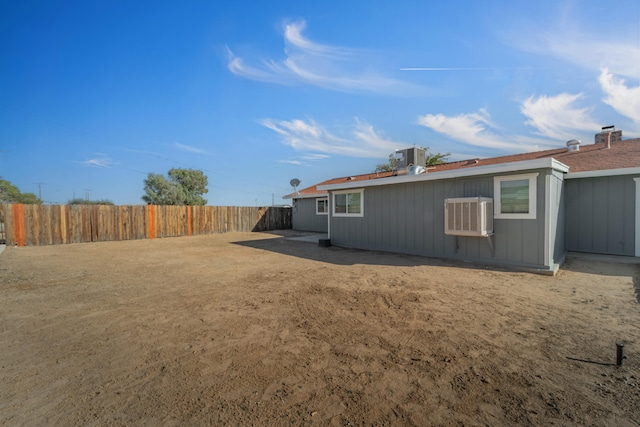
x=88 y=190
x=39 y=184
x=272 y=199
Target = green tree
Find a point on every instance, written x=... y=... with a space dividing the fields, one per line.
x=79 y=201
x=180 y=187
x=387 y=167
x=9 y=193
x=431 y=159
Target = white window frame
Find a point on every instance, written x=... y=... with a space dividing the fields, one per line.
x=533 y=195
x=326 y=200
x=354 y=191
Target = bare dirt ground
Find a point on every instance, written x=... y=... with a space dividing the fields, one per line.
x=255 y=329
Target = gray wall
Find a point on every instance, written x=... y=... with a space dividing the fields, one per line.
x=600 y=215
x=409 y=218
x=304 y=217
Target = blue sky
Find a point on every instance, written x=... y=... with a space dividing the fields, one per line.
x=94 y=95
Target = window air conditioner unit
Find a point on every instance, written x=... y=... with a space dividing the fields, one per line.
x=468 y=216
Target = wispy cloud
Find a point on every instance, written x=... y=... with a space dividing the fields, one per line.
x=98 y=161
x=471 y=68
x=477 y=129
x=361 y=140
x=625 y=100
x=310 y=63
x=293 y=162
x=553 y=118
x=189 y=148
x=590 y=52
x=238 y=67
x=305 y=160
x=558 y=117
x=315 y=157
x=574 y=40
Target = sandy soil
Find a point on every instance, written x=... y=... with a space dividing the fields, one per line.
x=255 y=329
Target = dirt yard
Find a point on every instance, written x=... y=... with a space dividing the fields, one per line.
x=256 y=329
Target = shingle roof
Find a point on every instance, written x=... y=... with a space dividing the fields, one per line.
x=590 y=157
x=313 y=190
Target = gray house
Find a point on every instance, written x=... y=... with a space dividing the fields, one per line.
x=525 y=211
x=310 y=206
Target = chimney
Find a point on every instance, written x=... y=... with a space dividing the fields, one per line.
x=608 y=135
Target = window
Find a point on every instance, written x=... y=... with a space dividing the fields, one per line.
x=348 y=203
x=322 y=206
x=515 y=196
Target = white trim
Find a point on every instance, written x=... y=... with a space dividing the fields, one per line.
x=601 y=173
x=304 y=196
x=637 y=180
x=547 y=163
x=329 y=221
x=547 y=220
x=333 y=204
x=533 y=196
x=326 y=199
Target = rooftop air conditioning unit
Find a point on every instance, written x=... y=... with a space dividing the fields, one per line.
x=468 y=216
x=410 y=156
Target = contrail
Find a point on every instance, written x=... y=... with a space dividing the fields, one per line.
x=470 y=68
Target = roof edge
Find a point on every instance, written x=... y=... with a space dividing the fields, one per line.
x=304 y=196
x=546 y=163
x=603 y=172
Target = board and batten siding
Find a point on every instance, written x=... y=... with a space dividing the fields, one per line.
x=304 y=217
x=409 y=218
x=600 y=215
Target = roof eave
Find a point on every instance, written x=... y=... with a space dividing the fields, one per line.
x=547 y=163
x=304 y=196
x=603 y=172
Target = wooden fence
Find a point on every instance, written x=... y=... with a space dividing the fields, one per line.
x=36 y=225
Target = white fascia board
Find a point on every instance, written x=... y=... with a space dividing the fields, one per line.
x=547 y=163
x=637 y=251
x=604 y=172
x=305 y=196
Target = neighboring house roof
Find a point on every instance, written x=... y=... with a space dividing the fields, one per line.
x=314 y=192
x=622 y=154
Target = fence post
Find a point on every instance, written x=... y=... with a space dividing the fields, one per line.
x=18 y=225
x=151 y=221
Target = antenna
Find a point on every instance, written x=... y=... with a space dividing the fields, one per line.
x=294 y=183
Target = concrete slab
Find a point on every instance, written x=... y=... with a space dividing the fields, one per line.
x=310 y=238
x=605 y=258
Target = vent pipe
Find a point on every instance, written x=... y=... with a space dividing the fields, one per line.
x=573 y=145
x=417 y=170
